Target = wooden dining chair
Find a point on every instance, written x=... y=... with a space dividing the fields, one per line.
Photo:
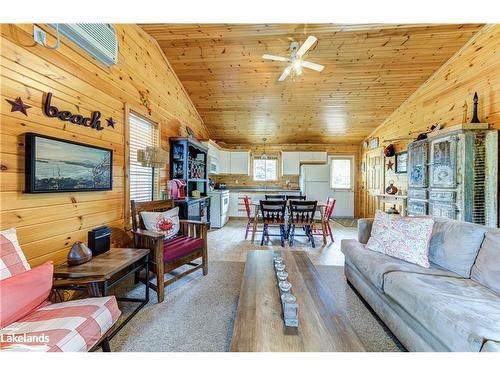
x=302 y=214
x=275 y=197
x=325 y=229
x=330 y=205
x=295 y=197
x=273 y=214
x=250 y=219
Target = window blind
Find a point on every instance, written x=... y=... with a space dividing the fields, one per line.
x=142 y=133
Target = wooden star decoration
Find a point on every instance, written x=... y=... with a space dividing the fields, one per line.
x=111 y=122
x=18 y=106
x=390 y=164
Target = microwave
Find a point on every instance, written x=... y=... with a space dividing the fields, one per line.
x=213 y=165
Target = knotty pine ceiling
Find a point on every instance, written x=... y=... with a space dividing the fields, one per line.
x=369 y=71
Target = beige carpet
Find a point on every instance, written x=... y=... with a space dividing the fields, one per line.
x=198 y=313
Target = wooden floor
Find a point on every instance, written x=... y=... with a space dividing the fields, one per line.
x=229 y=244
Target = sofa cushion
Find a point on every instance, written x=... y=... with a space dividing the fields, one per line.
x=461 y=313
x=24 y=292
x=454 y=244
x=179 y=246
x=405 y=238
x=73 y=326
x=374 y=266
x=12 y=259
x=486 y=269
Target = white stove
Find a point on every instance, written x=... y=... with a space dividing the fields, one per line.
x=219 y=206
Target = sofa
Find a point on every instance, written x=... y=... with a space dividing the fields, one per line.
x=454 y=305
x=29 y=322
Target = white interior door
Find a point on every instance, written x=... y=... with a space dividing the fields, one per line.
x=342 y=184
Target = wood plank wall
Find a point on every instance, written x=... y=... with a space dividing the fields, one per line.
x=441 y=99
x=48 y=224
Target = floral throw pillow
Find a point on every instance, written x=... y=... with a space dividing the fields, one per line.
x=405 y=238
x=166 y=222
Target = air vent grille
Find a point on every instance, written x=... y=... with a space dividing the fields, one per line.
x=98 y=39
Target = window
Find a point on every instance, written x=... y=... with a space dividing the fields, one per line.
x=265 y=169
x=341 y=173
x=142 y=133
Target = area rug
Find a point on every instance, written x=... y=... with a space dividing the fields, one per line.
x=346 y=221
x=198 y=314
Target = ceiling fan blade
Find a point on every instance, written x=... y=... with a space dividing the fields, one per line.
x=313 y=66
x=275 y=58
x=306 y=45
x=285 y=73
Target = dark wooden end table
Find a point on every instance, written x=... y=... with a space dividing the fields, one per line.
x=96 y=276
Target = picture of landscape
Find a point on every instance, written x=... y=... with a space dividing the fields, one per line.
x=64 y=166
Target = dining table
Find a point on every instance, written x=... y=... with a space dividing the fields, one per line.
x=320 y=206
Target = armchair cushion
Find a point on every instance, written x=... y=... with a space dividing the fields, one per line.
x=12 y=259
x=63 y=327
x=24 y=292
x=166 y=222
x=180 y=246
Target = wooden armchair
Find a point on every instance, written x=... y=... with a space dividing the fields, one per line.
x=167 y=255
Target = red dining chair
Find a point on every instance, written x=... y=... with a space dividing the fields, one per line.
x=327 y=214
x=330 y=205
x=250 y=218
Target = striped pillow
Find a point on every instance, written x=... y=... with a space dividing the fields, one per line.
x=12 y=259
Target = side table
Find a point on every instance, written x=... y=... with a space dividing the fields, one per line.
x=100 y=271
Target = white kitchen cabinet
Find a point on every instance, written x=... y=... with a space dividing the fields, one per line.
x=313 y=156
x=319 y=156
x=224 y=162
x=290 y=163
x=305 y=156
x=233 y=204
x=213 y=150
x=236 y=205
x=240 y=162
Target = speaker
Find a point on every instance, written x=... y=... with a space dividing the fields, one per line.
x=99 y=240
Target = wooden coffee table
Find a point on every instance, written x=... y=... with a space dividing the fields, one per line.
x=259 y=324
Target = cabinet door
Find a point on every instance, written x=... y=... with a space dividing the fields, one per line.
x=318 y=156
x=240 y=162
x=213 y=151
x=290 y=163
x=306 y=156
x=443 y=166
x=224 y=162
x=417 y=164
x=233 y=204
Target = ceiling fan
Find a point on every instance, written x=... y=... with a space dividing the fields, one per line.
x=295 y=60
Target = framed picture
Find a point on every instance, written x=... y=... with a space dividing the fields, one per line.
x=401 y=162
x=55 y=165
x=374 y=143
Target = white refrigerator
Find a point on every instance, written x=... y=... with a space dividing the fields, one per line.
x=314 y=183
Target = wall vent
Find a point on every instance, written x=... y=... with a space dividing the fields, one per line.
x=98 y=39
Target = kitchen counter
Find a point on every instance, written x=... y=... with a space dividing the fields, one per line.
x=191 y=199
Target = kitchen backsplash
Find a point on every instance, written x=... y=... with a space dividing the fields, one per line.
x=241 y=180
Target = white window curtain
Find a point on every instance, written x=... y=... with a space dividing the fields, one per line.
x=142 y=133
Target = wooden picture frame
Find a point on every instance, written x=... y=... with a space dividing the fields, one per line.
x=401 y=162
